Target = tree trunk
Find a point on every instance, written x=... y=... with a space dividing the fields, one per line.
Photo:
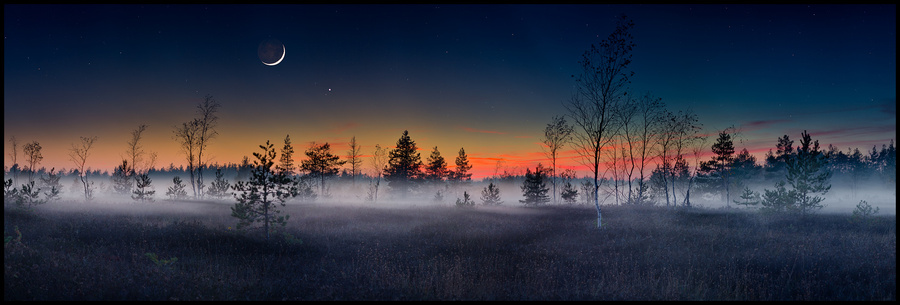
x=597 y=199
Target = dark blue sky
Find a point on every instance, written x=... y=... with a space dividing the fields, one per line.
x=484 y=77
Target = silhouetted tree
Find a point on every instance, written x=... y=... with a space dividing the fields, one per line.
x=775 y=163
x=257 y=197
x=219 y=187
x=569 y=194
x=121 y=180
x=600 y=87
x=188 y=135
x=78 y=155
x=176 y=191
x=535 y=187
x=206 y=131
x=436 y=168
x=286 y=161
x=321 y=164
x=51 y=185
x=724 y=155
x=379 y=161
x=808 y=174
x=33 y=157
x=887 y=163
x=466 y=201
x=686 y=128
x=490 y=195
x=141 y=191
x=461 y=175
x=14 y=154
x=404 y=165
x=743 y=169
x=666 y=141
x=696 y=148
x=243 y=169
x=748 y=198
x=354 y=158
x=136 y=153
x=587 y=192
x=778 y=200
x=556 y=135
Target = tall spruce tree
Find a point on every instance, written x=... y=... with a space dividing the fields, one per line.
x=404 y=167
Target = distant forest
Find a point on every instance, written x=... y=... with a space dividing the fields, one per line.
x=852 y=168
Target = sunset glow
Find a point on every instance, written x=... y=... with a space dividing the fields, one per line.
x=485 y=78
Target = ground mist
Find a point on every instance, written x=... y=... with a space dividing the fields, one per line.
x=365 y=252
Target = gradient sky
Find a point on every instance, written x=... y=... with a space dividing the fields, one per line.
x=484 y=77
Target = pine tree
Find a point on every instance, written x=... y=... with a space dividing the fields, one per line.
x=490 y=195
x=465 y=202
x=436 y=170
x=776 y=163
x=51 y=185
x=724 y=152
x=257 y=197
x=569 y=193
x=808 y=174
x=321 y=164
x=748 y=197
x=404 y=165
x=286 y=161
x=142 y=193
x=121 y=179
x=779 y=200
x=219 y=187
x=177 y=191
x=535 y=187
x=461 y=174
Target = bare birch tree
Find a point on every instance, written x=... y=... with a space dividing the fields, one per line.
x=556 y=135
x=379 y=162
x=136 y=153
x=206 y=124
x=33 y=157
x=14 y=168
x=650 y=110
x=79 y=154
x=696 y=148
x=187 y=136
x=685 y=128
x=598 y=89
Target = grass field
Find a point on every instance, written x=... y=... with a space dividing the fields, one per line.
x=361 y=252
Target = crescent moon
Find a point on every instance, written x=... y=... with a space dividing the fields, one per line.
x=283 y=51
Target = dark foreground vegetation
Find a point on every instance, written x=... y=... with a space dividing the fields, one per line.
x=448 y=253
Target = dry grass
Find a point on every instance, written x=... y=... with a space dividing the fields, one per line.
x=447 y=253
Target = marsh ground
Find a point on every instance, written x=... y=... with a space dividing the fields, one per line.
x=365 y=252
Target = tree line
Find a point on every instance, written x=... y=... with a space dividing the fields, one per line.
x=637 y=152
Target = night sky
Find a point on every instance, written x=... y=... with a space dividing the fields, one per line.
x=487 y=78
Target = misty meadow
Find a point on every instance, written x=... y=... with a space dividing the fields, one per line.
x=513 y=176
